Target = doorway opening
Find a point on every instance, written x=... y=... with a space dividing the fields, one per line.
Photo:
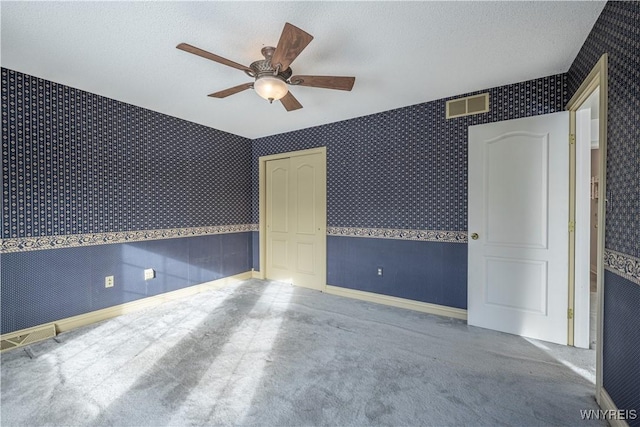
x=586 y=230
x=587 y=199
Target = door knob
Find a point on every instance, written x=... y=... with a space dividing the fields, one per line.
x=474 y=236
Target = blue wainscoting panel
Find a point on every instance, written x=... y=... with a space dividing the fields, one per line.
x=432 y=272
x=236 y=253
x=621 y=364
x=255 y=250
x=205 y=258
x=47 y=285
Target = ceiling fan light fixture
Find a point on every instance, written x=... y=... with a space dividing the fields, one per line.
x=272 y=75
x=270 y=88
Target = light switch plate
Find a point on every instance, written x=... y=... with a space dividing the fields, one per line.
x=149 y=274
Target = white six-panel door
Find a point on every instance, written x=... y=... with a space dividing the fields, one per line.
x=296 y=220
x=518 y=226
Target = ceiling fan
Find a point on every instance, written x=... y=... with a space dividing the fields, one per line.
x=273 y=73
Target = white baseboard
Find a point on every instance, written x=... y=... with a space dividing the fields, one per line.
x=424 y=307
x=74 y=322
x=607 y=404
x=256 y=275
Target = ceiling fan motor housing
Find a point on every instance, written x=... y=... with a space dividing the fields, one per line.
x=263 y=67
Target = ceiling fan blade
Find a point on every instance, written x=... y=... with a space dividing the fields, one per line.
x=231 y=90
x=290 y=102
x=219 y=59
x=292 y=41
x=326 y=82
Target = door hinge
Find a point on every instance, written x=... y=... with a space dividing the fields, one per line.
x=570 y=313
x=572 y=226
x=572 y=138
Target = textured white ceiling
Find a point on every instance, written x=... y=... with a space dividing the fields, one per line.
x=401 y=53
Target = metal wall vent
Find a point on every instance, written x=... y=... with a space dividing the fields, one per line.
x=468 y=105
x=27 y=336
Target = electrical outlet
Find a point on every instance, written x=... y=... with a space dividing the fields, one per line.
x=379 y=271
x=149 y=274
x=108 y=282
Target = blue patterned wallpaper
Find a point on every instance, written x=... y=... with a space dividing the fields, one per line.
x=76 y=163
x=617 y=32
x=406 y=168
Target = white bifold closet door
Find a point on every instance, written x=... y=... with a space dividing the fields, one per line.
x=296 y=220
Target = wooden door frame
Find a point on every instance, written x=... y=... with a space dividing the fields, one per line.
x=597 y=78
x=262 y=227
